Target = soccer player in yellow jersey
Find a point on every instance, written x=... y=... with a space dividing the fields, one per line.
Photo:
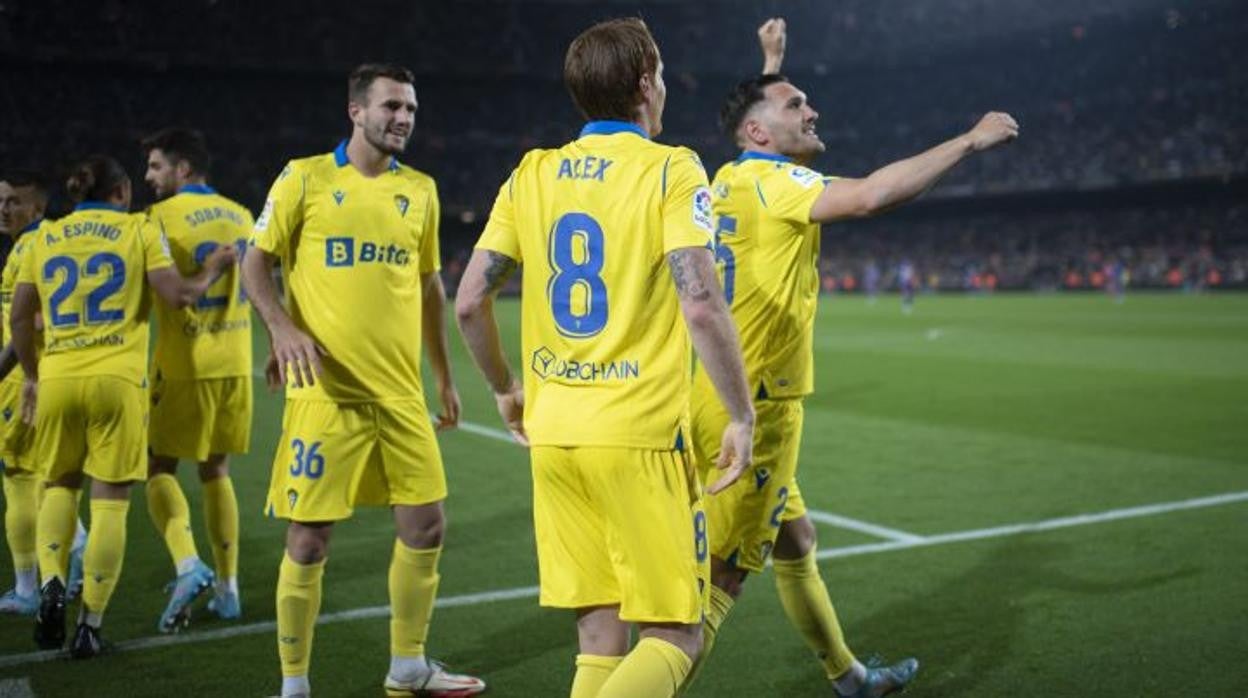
x=201 y=375
x=615 y=233
x=23 y=200
x=357 y=236
x=768 y=208
x=89 y=274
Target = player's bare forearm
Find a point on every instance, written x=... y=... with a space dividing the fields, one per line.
x=486 y=273
x=711 y=328
x=433 y=330
x=22 y=322
x=178 y=291
x=772 y=37
x=257 y=268
x=904 y=180
x=8 y=360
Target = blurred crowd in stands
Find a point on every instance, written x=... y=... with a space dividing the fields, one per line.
x=1112 y=94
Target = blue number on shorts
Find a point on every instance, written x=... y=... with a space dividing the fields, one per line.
x=308 y=460
x=726 y=225
x=64 y=291
x=202 y=250
x=94 y=267
x=569 y=274
x=783 y=494
x=116 y=281
x=699 y=535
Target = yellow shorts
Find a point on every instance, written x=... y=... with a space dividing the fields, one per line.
x=192 y=419
x=17 y=438
x=333 y=456
x=621 y=526
x=96 y=425
x=745 y=518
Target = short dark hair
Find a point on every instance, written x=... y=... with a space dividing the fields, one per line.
x=365 y=75
x=604 y=65
x=741 y=99
x=184 y=144
x=19 y=178
x=95 y=179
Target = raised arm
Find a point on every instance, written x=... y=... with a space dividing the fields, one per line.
x=287 y=343
x=433 y=332
x=901 y=181
x=719 y=349
x=485 y=275
x=772 y=37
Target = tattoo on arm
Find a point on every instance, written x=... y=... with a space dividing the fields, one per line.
x=499 y=270
x=690 y=285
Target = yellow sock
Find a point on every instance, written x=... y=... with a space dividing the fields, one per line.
x=172 y=516
x=221 y=515
x=413 y=586
x=721 y=603
x=654 y=669
x=21 y=497
x=298 y=604
x=809 y=608
x=106 y=548
x=58 y=519
x=592 y=670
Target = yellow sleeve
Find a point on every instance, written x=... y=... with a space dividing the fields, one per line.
x=283 y=212
x=26 y=265
x=155 y=244
x=687 y=217
x=500 y=233
x=430 y=250
x=790 y=191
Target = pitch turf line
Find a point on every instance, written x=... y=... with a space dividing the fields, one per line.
x=1145 y=511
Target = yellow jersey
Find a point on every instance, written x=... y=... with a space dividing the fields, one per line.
x=8 y=281
x=606 y=353
x=768 y=251
x=211 y=338
x=353 y=250
x=90 y=270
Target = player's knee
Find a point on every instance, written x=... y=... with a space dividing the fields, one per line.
x=214 y=468
x=796 y=540
x=688 y=638
x=727 y=577
x=161 y=465
x=307 y=544
x=420 y=527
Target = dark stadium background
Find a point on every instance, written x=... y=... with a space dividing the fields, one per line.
x=1134 y=112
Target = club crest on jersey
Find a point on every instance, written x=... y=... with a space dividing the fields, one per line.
x=339 y=195
x=702 y=216
x=292 y=497
x=401 y=203
x=761 y=476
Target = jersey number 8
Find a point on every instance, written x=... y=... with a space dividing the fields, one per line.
x=575 y=231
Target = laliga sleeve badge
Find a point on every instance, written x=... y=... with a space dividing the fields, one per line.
x=702 y=216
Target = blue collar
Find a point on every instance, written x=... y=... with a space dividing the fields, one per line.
x=33 y=224
x=341 y=159
x=197 y=189
x=606 y=128
x=755 y=155
x=90 y=205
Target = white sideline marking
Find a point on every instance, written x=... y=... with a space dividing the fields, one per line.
x=16 y=688
x=488 y=432
x=866 y=527
x=1148 y=510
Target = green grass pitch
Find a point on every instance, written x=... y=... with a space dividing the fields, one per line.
x=972 y=413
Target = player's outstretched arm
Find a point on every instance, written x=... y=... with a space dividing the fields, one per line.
x=437 y=348
x=22 y=322
x=715 y=339
x=901 y=181
x=291 y=352
x=772 y=37
x=179 y=291
x=485 y=275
